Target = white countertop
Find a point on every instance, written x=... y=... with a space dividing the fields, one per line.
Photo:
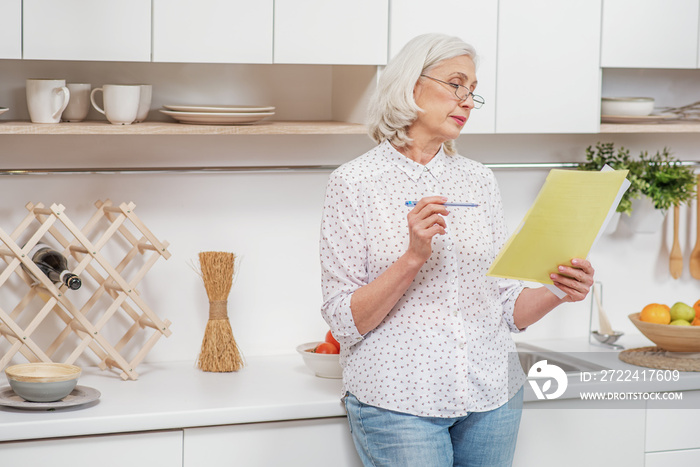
x=178 y=395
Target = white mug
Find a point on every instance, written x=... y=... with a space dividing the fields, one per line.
x=46 y=99
x=144 y=102
x=79 y=103
x=121 y=102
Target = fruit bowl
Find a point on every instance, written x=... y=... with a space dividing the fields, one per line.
x=323 y=365
x=669 y=337
x=43 y=382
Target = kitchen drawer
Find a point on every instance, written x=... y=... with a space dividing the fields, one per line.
x=149 y=449
x=298 y=443
x=669 y=428
x=689 y=458
x=87 y=30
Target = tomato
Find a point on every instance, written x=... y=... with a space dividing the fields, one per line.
x=330 y=339
x=326 y=347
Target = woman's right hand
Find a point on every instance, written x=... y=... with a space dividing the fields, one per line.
x=425 y=221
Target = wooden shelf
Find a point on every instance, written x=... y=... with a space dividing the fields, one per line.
x=163 y=128
x=670 y=127
x=268 y=128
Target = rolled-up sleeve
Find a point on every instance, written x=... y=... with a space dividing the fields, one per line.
x=509 y=289
x=343 y=253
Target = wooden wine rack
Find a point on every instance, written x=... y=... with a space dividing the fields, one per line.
x=113 y=288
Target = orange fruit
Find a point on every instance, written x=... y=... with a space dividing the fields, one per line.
x=696 y=307
x=656 y=313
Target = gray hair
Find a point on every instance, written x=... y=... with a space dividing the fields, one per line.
x=392 y=109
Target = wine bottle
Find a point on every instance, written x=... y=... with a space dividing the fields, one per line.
x=54 y=265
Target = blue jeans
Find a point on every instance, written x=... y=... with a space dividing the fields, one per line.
x=387 y=438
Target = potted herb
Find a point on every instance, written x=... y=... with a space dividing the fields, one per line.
x=605 y=154
x=657 y=183
x=666 y=181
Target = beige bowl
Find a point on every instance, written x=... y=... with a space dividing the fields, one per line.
x=627 y=106
x=668 y=337
x=43 y=382
x=323 y=365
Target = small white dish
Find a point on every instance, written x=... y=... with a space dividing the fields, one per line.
x=217 y=118
x=630 y=106
x=3 y=110
x=220 y=108
x=323 y=365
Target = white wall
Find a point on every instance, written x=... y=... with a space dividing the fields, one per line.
x=271 y=219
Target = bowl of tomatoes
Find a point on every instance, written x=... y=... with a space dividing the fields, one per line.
x=322 y=357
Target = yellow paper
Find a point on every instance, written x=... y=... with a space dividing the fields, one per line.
x=562 y=224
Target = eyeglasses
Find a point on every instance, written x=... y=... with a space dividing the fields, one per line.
x=462 y=92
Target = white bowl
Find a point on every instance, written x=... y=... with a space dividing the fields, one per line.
x=43 y=382
x=322 y=364
x=627 y=106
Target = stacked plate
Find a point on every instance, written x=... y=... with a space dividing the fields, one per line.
x=218 y=114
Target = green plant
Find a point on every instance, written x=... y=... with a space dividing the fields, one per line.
x=667 y=182
x=661 y=177
x=605 y=154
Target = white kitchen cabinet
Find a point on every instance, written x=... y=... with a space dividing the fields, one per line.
x=552 y=434
x=549 y=77
x=212 y=31
x=473 y=21
x=106 y=30
x=331 y=32
x=650 y=34
x=299 y=443
x=672 y=425
x=11 y=29
x=158 y=448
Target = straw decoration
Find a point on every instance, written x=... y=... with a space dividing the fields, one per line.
x=219 y=351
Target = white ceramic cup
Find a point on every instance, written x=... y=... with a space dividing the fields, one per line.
x=79 y=103
x=121 y=102
x=144 y=102
x=46 y=99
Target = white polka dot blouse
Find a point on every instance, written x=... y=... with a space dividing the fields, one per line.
x=443 y=350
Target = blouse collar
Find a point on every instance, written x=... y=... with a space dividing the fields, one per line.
x=413 y=169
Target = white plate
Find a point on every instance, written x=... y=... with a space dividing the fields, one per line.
x=636 y=118
x=3 y=110
x=219 y=108
x=220 y=118
x=80 y=395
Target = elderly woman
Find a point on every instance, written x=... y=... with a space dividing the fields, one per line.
x=425 y=335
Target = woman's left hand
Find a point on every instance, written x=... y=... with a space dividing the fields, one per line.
x=575 y=280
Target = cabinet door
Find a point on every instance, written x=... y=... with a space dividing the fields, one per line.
x=106 y=30
x=473 y=21
x=331 y=31
x=548 y=66
x=162 y=449
x=212 y=31
x=555 y=434
x=672 y=424
x=11 y=29
x=299 y=443
x=650 y=34
x=689 y=458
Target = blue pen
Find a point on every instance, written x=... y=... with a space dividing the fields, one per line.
x=464 y=205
